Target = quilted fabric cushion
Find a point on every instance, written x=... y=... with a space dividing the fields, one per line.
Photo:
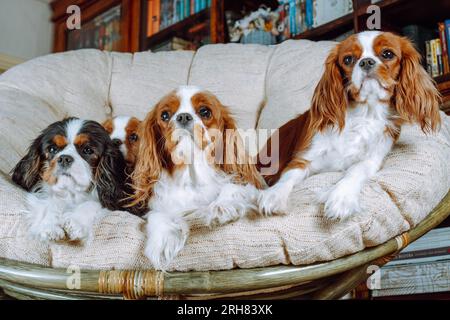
x=236 y=74
x=292 y=75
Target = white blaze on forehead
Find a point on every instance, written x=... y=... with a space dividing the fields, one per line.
x=119 y=127
x=185 y=94
x=73 y=127
x=366 y=39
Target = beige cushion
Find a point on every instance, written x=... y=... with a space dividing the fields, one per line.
x=236 y=74
x=414 y=178
x=139 y=81
x=292 y=75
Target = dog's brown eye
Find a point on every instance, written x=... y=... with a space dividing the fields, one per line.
x=387 y=54
x=165 y=116
x=204 y=112
x=348 y=60
x=53 y=149
x=88 y=150
x=133 y=137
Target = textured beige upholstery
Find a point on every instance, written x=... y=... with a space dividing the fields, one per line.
x=264 y=87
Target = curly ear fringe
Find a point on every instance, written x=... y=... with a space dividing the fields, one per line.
x=236 y=160
x=110 y=179
x=329 y=101
x=27 y=172
x=148 y=164
x=416 y=98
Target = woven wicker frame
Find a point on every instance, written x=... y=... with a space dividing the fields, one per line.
x=329 y=280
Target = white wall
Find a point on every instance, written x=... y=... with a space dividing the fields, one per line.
x=25 y=28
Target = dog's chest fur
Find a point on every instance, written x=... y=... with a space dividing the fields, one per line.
x=189 y=187
x=365 y=127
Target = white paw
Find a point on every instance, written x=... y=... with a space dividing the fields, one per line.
x=49 y=232
x=220 y=213
x=341 y=204
x=75 y=230
x=164 y=243
x=273 y=201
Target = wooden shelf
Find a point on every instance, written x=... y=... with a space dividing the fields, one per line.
x=327 y=30
x=177 y=28
x=442 y=79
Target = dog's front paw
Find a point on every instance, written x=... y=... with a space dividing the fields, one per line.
x=76 y=231
x=273 y=201
x=221 y=214
x=164 y=243
x=341 y=204
x=49 y=232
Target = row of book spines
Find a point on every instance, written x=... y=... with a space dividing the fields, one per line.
x=186 y=8
x=408 y=291
x=403 y=280
x=302 y=15
x=183 y=9
x=437 y=51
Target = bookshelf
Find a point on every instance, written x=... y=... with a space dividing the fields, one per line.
x=395 y=14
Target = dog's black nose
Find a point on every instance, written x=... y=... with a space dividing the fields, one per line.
x=117 y=142
x=367 y=64
x=184 y=118
x=65 y=161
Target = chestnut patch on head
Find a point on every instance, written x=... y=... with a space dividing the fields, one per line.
x=208 y=109
x=108 y=125
x=60 y=141
x=166 y=108
x=349 y=51
x=387 y=47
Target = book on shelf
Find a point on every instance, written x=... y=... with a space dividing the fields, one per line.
x=437 y=51
x=302 y=15
x=443 y=38
x=175 y=43
x=164 y=13
x=422 y=267
x=325 y=11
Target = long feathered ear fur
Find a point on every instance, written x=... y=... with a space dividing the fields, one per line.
x=110 y=178
x=27 y=172
x=416 y=98
x=149 y=160
x=236 y=160
x=329 y=101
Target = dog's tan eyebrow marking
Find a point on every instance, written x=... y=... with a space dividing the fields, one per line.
x=81 y=139
x=60 y=141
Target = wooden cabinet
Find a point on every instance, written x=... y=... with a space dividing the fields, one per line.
x=106 y=24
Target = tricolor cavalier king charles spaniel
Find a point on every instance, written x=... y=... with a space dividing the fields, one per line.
x=72 y=170
x=191 y=165
x=372 y=84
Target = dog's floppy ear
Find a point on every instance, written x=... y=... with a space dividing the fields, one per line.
x=236 y=160
x=110 y=178
x=330 y=99
x=151 y=157
x=416 y=96
x=27 y=172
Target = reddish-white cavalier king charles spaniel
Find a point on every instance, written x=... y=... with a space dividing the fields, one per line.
x=123 y=133
x=191 y=165
x=372 y=84
x=72 y=170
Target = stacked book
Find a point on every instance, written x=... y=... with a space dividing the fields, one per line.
x=164 y=13
x=422 y=267
x=437 y=51
x=175 y=43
